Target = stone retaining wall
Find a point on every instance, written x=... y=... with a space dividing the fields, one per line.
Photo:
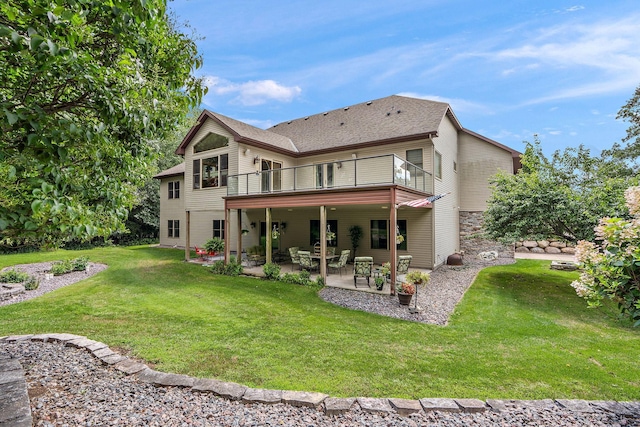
x=545 y=247
x=471 y=240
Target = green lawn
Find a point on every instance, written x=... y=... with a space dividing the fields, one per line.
x=519 y=333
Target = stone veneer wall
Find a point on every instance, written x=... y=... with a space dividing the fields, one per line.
x=545 y=247
x=471 y=242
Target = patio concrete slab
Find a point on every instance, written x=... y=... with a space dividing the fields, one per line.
x=471 y=405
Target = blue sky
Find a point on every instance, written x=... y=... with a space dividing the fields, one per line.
x=509 y=69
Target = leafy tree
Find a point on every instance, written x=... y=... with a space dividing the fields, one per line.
x=85 y=85
x=144 y=217
x=611 y=269
x=563 y=197
x=630 y=153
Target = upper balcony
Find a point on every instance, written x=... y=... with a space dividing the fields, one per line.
x=368 y=171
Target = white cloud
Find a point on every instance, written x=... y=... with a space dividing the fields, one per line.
x=252 y=92
x=458 y=105
x=608 y=50
x=574 y=8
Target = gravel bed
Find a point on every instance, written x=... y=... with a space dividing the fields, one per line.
x=47 y=285
x=437 y=299
x=69 y=387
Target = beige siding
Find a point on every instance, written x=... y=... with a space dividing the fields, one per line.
x=479 y=161
x=172 y=209
x=446 y=221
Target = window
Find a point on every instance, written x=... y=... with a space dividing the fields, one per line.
x=196 y=174
x=379 y=234
x=437 y=165
x=211 y=172
x=218 y=228
x=415 y=157
x=173 y=229
x=271 y=178
x=174 y=189
x=402 y=230
x=324 y=175
x=210 y=142
x=314 y=232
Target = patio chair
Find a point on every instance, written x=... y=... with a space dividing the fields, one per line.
x=306 y=262
x=201 y=252
x=342 y=261
x=403 y=266
x=362 y=267
x=331 y=250
x=316 y=248
x=295 y=258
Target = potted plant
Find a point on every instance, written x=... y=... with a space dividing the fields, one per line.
x=405 y=292
x=417 y=277
x=379 y=280
x=355 y=233
x=214 y=246
x=399 y=239
x=385 y=270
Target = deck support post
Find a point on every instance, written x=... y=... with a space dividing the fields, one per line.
x=393 y=223
x=268 y=249
x=187 y=239
x=323 y=243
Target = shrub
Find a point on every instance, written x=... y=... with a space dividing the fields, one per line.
x=13 y=276
x=611 y=269
x=215 y=245
x=233 y=268
x=31 y=283
x=271 y=271
x=295 y=279
x=80 y=263
x=61 y=267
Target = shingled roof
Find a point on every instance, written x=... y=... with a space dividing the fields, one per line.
x=390 y=119
x=174 y=171
x=242 y=132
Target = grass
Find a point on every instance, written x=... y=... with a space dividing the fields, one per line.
x=519 y=333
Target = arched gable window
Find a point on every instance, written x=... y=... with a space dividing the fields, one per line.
x=210 y=142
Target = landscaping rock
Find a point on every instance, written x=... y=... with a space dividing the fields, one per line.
x=530 y=244
x=522 y=249
x=373 y=405
x=439 y=404
x=471 y=405
x=543 y=243
x=302 y=398
x=569 y=251
x=258 y=395
x=129 y=366
x=337 y=406
x=536 y=250
x=558 y=244
x=497 y=405
x=552 y=250
x=231 y=391
x=576 y=405
x=405 y=407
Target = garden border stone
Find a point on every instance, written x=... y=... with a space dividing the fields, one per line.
x=9 y=374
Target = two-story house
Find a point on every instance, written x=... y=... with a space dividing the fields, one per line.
x=327 y=172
